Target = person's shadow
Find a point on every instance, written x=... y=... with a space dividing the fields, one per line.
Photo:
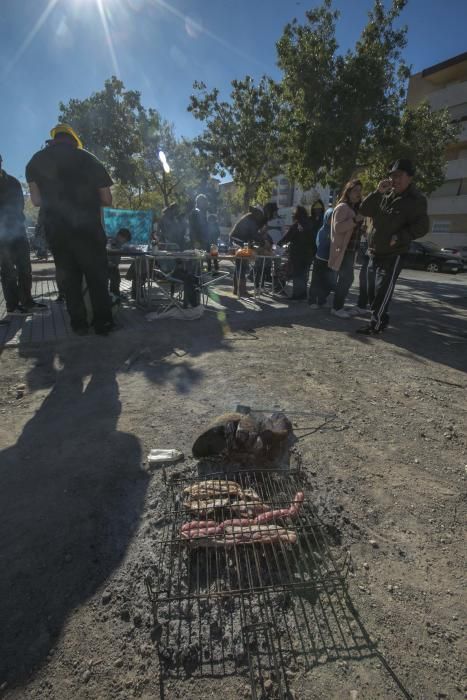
x=71 y=494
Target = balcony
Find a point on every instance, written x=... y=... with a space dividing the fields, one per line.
x=454 y=94
x=440 y=206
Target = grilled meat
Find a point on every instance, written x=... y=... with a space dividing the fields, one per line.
x=238 y=535
x=261 y=523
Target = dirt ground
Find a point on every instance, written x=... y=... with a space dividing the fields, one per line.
x=80 y=508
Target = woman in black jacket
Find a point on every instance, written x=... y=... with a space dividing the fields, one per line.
x=302 y=249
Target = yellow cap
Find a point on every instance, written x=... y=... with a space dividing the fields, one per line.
x=66 y=129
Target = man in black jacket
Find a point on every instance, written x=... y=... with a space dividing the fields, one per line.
x=399 y=214
x=71 y=185
x=15 y=264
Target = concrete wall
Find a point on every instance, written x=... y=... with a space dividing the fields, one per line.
x=447 y=207
x=447 y=240
x=448 y=96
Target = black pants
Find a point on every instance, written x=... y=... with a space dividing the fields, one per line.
x=82 y=252
x=322 y=282
x=382 y=274
x=15 y=272
x=242 y=268
x=300 y=273
x=363 y=284
x=344 y=279
x=262 y=272
x=114 y=279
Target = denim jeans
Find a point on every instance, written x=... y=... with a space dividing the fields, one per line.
x=344 y=280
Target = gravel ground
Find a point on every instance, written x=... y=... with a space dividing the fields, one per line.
x=381 y=428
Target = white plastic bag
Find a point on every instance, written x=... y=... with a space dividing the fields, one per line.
x=158 y=456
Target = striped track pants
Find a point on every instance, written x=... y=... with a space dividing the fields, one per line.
x=382 y=274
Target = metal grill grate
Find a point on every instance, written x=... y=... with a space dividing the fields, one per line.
x=228 y=569
x=254 y=611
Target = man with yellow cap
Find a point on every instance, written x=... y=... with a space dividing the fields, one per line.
x=71 y=185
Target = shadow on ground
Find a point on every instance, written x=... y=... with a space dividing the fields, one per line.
x=71 y=492
x=72 y=489
x=428 y=322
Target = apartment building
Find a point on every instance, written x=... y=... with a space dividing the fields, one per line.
x=287 y=194
x=445 y=85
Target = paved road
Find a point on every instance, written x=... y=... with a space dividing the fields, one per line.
x=437 y=277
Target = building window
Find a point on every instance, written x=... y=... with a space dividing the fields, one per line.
x=441 y=227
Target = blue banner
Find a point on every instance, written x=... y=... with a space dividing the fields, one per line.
x=138 y=222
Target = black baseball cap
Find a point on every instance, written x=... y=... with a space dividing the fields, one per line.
x=403 y=164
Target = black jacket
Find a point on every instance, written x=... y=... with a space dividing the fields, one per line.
x=402 y=216
x=246 y=230
x=11 y=207
x=302 y=243
x=69 y=180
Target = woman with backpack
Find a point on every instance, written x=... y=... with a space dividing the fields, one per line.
x=322 y=278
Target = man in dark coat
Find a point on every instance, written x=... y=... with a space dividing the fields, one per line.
x=399 y=215
x=71 y=185
x=15 y=264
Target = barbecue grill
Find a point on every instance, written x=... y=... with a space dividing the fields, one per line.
x=253 y=610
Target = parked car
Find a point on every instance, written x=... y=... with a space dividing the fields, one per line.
x=428 y=256
x=458 y=252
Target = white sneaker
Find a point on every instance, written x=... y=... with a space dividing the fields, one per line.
x=341 y=313
x=359 y=310
x=353 y=311
x=314 y=306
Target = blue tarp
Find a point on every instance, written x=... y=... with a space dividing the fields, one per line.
x=138 y=222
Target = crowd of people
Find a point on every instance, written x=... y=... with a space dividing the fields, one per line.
x=379 y=226
x=70 y=186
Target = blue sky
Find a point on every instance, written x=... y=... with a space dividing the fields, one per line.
x=53 y=50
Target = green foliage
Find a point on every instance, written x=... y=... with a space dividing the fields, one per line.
x=127 y=138
x=130 y=197
x=334 y=104
x=422 y=136
x=108 y=123
x=241 y=136
x=231 y=201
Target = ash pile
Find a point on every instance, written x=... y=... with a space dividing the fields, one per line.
x=246 y=584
